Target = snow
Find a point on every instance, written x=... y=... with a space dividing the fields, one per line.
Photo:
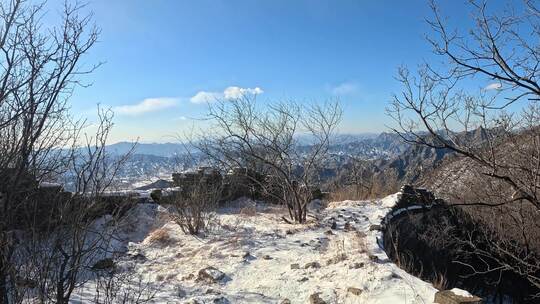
x=257 y=251
x=461 y=292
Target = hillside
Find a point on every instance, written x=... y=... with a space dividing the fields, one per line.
x=254 y=257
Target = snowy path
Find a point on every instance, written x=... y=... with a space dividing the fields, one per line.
x=267 y=261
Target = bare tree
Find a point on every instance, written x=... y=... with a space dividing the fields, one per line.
x=495 y=131
x=46 y=243
x=505 y=111
x=265 y=141
x=59 y=235
x=39 y=69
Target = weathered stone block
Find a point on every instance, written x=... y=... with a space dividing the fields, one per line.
x=449 y=297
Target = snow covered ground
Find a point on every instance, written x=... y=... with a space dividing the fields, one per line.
x=261 y=259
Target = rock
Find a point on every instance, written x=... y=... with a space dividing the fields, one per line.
x=373 y=258
x=180 y=292
x=295 y=266
x=221 y=300
x=338 y=258
x=190 y=276
x=375 y=228
x=285 y=301
x=104 y=264
x=348 y=227
x=449 y=297
x=312 y=265
x=303 y=279
x=247 y=256
x=334 y=225
x=316 y=299
x=355 y=291
x=138 y=257
x=210 y=275
x=361 y=234
x=356 y=266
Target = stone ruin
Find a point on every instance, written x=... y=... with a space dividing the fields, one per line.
x=236 y=183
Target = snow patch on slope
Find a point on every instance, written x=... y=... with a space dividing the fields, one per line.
x=266 y=260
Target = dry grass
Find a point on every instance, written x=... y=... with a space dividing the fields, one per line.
x=347 y=193
x=439 y=281
x=359 y=242
x=159 y=236
x=339 y=253
x=248 y=211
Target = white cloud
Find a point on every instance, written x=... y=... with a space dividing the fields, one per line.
x=205 y=97
x=237 y=92
x=146 y=106
x=231 y=92
x=493 y=86
x=346 y=88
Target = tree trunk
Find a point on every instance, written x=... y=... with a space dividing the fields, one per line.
x=3 y=280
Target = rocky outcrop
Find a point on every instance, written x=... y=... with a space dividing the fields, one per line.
x=451 y=297
x=104 y=264
x=316 y=299
x=428 y=237
x=210 y=275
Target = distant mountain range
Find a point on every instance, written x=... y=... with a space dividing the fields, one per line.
x=399 y=163
x=355 y=142
x=155 y=149
x=153 y=161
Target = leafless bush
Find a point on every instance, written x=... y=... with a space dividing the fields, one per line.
x=248 y=211
x=360 y=242
x=194 y=209
x=339 y=253
x=76 y=233
x=123 y=288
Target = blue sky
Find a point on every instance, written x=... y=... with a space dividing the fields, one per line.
x=160 y=54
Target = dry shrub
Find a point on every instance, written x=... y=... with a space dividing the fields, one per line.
x=336 y=204
x=360 y=242
x=194 y=208
x=159 y=236
x=439 y=281
x=339 y=253
x=248 y=211
x=346 y=193
x=164 y=216
x=124 y=287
